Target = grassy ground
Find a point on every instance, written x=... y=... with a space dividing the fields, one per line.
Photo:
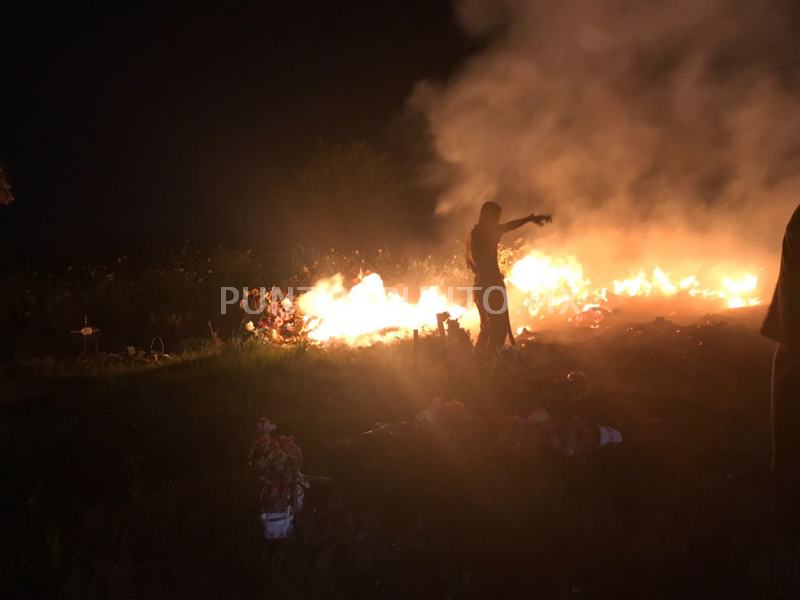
x=133 y=482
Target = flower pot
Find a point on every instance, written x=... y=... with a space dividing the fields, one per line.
x=277 y=525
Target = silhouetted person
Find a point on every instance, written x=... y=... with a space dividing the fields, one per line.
x=490 y=293
x=782 y=324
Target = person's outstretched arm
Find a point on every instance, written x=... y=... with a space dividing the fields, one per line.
x=517 y=223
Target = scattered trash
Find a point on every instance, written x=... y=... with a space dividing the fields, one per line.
x=457 y=337
x=609 y=435
x=592 y=317
x=577 y=378
x=579 y=438
x=569 y=436
x=131 y=356
x=539 y=357
x=381 y=429
x=278 y=465
x=657 y=327
x=448 y=420
x=578 y=386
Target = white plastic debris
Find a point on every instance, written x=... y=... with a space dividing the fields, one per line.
x=609 y=435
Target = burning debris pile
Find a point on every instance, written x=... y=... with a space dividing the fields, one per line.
x=540 y=286
x=371 y=312
x=559 y=285
x=365 y=314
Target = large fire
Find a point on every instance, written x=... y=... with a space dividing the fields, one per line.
x=369 y=312
x=540 y=286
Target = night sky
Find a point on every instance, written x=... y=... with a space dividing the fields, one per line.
x=129 y=129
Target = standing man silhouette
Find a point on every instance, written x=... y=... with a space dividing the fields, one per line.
x=489 y=291
x=782 y=324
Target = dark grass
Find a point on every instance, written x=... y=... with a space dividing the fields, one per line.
x=134 y=483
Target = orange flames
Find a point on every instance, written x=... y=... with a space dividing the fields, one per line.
x=369 y=312
x=734 y=291
x=539 y=285
x=553 y=285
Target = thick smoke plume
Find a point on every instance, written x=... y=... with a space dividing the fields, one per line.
x=646 y=127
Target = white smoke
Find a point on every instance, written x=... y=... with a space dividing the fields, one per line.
x=630 y=118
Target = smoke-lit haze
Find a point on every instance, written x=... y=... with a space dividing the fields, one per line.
x=646 y=127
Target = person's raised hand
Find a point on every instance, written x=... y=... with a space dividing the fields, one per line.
x=541 y=219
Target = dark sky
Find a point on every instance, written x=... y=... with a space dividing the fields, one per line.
x=127 y=127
